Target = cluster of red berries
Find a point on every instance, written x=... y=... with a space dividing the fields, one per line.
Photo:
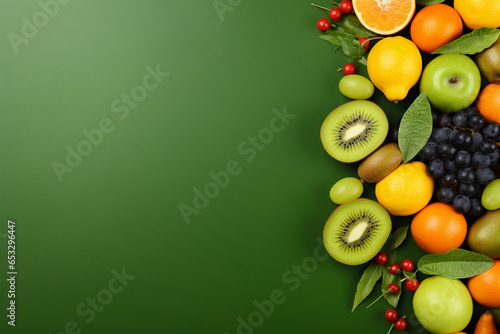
x=335 y=14
x=394 y=269
x=398 y=323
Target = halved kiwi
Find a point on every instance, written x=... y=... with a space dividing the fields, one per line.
x=354 y=130
x=356 y=231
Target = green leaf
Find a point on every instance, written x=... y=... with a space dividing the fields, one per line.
x=347 y=42
x=395 y=239
x=350 y=23
x=409 y=275
x=415 y=128
x=388 y=278
x=456 y=263
x=471 y=43
x=365 y=286
x=428 y=2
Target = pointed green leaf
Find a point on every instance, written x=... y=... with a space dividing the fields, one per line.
x=388 y=278
x=456 y=263
x=471 y=43
x=365 y=286
x=395 y=239
x=415 y=128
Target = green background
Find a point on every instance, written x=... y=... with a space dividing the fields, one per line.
x=119 y=208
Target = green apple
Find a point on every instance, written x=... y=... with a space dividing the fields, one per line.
x=442 y=305
x=451 y=82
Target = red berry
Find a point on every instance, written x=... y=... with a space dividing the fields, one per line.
x=335 y=14
x=323 y=24
x=411 y=285
x=394 y=269
x=361 y=40
x=400 y=324
x=394 y=288
x=407 y=264
x=349 y=68
x=391 y=315
x=346 y=6
x=381 y=258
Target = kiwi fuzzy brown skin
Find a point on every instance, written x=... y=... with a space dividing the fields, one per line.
x=335 y=232
x=354 y=130
x=380 y=163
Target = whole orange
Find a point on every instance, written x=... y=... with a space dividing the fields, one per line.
x=485 y=287
x=488 y=102
x=434 y=26
x=438 y=228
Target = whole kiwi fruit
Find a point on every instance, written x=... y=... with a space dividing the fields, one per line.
x=380 y=163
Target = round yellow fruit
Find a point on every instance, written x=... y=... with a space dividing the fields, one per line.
x=479 y=13
x=407 y=190
x=394 y=66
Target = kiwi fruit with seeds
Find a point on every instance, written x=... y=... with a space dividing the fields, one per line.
x=356 y=231
x=354 y=130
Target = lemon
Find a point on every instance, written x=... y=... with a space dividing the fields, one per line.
x=407 y=190
x=479 y=13
x=394 y=66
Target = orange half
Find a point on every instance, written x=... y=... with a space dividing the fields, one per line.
x=384 y=17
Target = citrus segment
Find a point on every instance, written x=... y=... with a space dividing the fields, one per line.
x=384 y=17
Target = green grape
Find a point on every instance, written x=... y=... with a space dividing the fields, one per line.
x=346 y=190
x=356 y=87
x=491 y=196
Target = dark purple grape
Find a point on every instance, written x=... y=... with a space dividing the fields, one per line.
x=476 y=208
x=494 y=156
x=444 y=120
x=429 y=151
x=468 y=189
x=488 y=146
x=462 y=159
x=449 y=179
x=466 y=175
x=477 y=121
x=435 y=168
x=484 y=176
x=462 y=139
x=450 y=165
x=460 y=119
x=461 y=204
x=477 y=141
x=480 y=159
x=451 y=136
x=446 y=150
x=441 y=135
x=491 y=129
x=445 y=194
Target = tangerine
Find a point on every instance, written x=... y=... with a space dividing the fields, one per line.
x=434 y=26
x=488 y=102
x=438 y=228
x=485 y=287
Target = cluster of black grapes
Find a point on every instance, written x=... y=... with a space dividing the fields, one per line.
x=462 y=154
